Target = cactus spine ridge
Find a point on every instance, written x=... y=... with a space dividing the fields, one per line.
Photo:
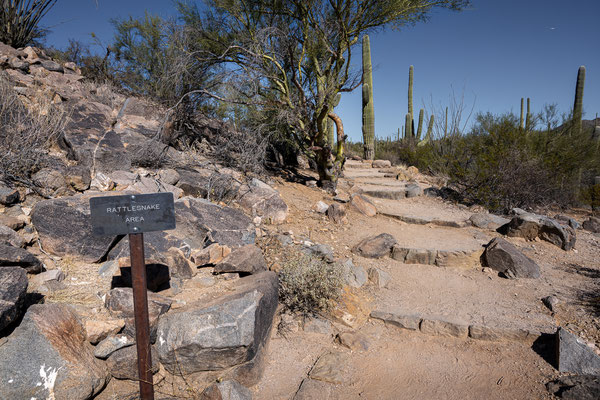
x=578 y=104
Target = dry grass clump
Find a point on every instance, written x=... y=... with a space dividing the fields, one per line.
x=309 y=285
x=25 y=134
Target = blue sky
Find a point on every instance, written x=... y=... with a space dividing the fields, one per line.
x=495 y=52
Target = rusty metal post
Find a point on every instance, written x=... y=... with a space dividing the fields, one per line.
x=142 y=322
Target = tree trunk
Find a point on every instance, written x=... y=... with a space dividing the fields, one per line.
x=329 y=166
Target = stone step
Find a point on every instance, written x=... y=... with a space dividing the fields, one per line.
x=391 y=191
x=423 y=220
x=424 y=211
x=358 y=164
x=462 y=259
x=446 y=327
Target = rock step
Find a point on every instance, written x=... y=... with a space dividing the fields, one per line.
x=357 y=164
x=436 y=326
x=396 y=191
x=464 y=259
x=423 y=220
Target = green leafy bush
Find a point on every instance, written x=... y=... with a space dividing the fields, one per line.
x=309 y=285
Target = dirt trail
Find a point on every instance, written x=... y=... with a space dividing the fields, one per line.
x=408 y=364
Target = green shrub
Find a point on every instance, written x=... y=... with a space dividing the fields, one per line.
x=309 y=285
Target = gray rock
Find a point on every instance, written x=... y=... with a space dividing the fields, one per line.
x=502 y=256
x=8 y=196
x=404 y=321
x=566 y=220
x=413 y=190
x=120 y=302
x=376 y=246
x=15 y=257
x=551 y=302
x=11 y=237
x=247 y=259
x=337 y=213
x=51 y=275
x=48 y=357
x=222 y=334
x=355 y=275
x=52 y=66
x=51 y=181
x=122 y=363
x=578 y=387
x=226 y=390
x=13 y=287
x=78 y=177
x=168 y=176
x=592 y=224
x=446 y=328
x=111 y=155
x=15 y=63
x=488 y=221
x=323 y=251
x=530 y=226
x=317 y=325
x=260 y=199
x=64 y=228
x=124 y=179
x=111 y=344
x=574 y=355
x=11 y=222
x=342 y=198
x=381 y=164
x=321 y=207
x=379 y=277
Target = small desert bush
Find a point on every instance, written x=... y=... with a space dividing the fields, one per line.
x=25 y=134
x=309 y=285
x=19 y=21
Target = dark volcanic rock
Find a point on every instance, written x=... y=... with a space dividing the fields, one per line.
x=260 y=199
x=337 y=213
x=122 y=363
x=64 y=228
x=579 y=387
x=226 y=333
x=11 y=237
x=376 y=246
x=502 y=256
x=15 y=257
x=592 y=224
x=529 y=226
x=247 y=259
x=13 y=287
x=48 y=357
x=574 y=355
x=8 y=196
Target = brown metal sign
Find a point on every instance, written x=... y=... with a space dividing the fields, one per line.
x=136 y=213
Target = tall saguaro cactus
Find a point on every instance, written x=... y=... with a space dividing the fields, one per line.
x=408 y=126
x=522 y=121
x=427 y=138
x=578 y=104
x=420 y=127
x=528 y=115
x=368 y=112
x=446 y=124
x=410 y=95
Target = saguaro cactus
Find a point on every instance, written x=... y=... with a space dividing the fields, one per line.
x=408 y=124
x=368 y=113
x=528 y=115
x=420 y=127
x=446 y=124
x=330 y=123
x=578 y=104
x=522 y=121
x=427 y=138
x=410 y=93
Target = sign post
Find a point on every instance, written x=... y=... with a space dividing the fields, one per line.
x=134 y=215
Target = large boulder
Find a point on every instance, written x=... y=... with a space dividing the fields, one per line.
x=122 y=363
x=376 y=246
x=228 y=332
x=574 y=355
x=260 y=199
x=64 y=228
x=530 y=226
x=488 y=221
x=13 y=287
x=248 y=259
x=592 y=224
x=15 y=257
x=48 y=357
x=502 y=256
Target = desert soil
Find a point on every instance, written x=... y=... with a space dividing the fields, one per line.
x=408 y=364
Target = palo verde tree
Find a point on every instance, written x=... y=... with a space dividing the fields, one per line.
x=290 y=59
